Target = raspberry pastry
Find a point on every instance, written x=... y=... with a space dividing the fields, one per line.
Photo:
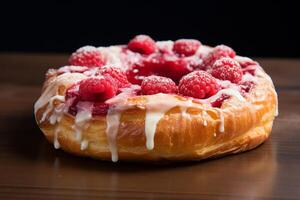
x=152 y=101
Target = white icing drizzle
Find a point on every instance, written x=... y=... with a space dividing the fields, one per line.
x=260 y=72
x=183 y=109
x=55 y=139
x=113 y=121
x=154 y=112
x=156 y=107
x=72 y=68
x=204 y=116
x=58 y=113
x=56 y=116
x=228 y=91
x=151 y=120
x=221 y=115
x=84 y=114
x=50 y=106
x=119 y=104
x=50 y=94
x=52 y=89
x=249 y=77
x=84 y=144
x=92 y=73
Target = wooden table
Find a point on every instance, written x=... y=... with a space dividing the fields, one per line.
x=30 y=168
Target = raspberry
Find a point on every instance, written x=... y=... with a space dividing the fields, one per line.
x=198 y=84
x=174 y=68
x=72 y=98
x=88 y=56
x=97 y=89
x=100 y=108
x=72 y=92
x=146 y=67
x=162 y=65
x=186 y=47
x=117 y=74
x=218 y=102
x=218 y=52
x=158 y=84
x=227 y=69
x=142 y=44
x=138 y=72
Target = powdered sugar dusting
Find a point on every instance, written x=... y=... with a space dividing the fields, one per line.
x=86 y=48
x=112 y=55
x=165 y=46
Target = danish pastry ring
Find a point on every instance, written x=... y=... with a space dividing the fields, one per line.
x=152 y=127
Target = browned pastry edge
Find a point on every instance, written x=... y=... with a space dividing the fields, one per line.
x=177 y=137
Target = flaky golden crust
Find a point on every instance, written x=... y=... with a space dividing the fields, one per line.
x=246 y=125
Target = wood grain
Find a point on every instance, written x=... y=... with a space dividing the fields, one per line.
x=30 y=168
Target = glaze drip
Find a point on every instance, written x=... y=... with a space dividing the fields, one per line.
x=204 y=116
x=55 y=140
x=118 y=105
x=50 y=106
x=113 y=121
x=84 y=144
x=260 y=73
x=83 y=116
x=221 y=126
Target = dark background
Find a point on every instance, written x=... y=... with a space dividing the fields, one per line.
x=253 y=28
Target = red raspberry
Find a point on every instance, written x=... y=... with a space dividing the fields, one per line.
x=142 y=44
x=146 y=67
x=218 y=102
x=218 y=52
x=186 y=47
x=227 y=69
x=72 y=93
x=137 y=73
x=88 y=56
x=167 y=66
x=117 y=74
x=97 y=89
x=198 y=84
x=100 y=108
x=158 y=84
x=175 y=68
